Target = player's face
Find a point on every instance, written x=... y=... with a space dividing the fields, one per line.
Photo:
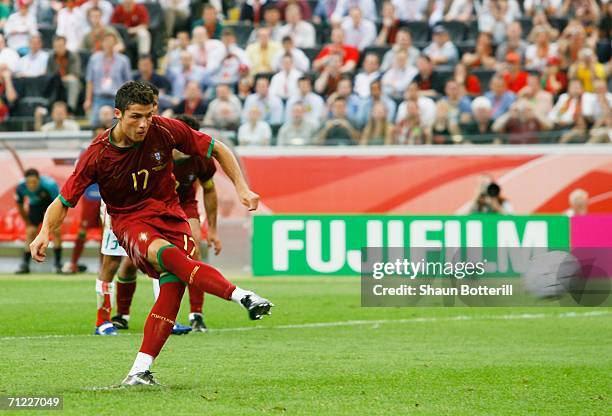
x=32 y=183
x=136 y=120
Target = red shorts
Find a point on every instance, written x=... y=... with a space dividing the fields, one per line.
x=191 y=209
x=90 y=213
x=135 y=235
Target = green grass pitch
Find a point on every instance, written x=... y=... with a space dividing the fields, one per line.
x=319 y=354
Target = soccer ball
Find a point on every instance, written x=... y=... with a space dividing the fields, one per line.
x=552 y=274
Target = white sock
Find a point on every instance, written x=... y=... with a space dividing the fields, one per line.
x=155 y=289
x=104 y=288
x=238 y=294
x=192 y=315
x=142 y=363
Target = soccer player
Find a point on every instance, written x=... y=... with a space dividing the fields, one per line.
x=187 y=171
x=40 y=192
x=133 y=165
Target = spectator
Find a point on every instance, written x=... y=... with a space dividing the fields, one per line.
x=260 y=54
x=513 y=43
x=175 y=49
x=147 y=73
x=483 y=55
x=135 y=18
x=389 y=27
x=541 y=51
x=253 y=10
x=521 y=124
x=404 y=43
x=602 y=133
x=459 y=104
x=467 y=81
x=441 y=50
x=203 y=49
x=105 y=7
x=5 y=12
x=430 y=83
x=397 y=78
x=489 y=199
x=479 y=130
x=370 y=73
x=578 y=202
x=445 y=128
x=378 y=129
x=245 y=88
x=106 y=72
x=301 y=32
x=272 y=18
x=193 y=103
x=494 y=16
x=460 y=10
x=585 y=10
x=176 y=14
x=410 y=128
x=19 y=27
x=71 y=25
x=587 y=69
x=106 y=117
x=551 y=7
x=328 y=81
x=501 y=99
x=411 y=10
x=573 y=40
x=271 y=107
x=34 y=63
x=284 y=84
x=8 y=57
x=254 y=131
x=353 y=102
x=358 y=32
x=598 y=103
x=568 y=109
x=59 y=119
x=224 y=111
x=314 y=106
x=300 y=60
x=324 y=11
x=540 y=100
x=376 y=96
x=188 y=71
x=426 y=106
x=303 y=7
x=211 y=23
x=553 y=79
x=297 y=130
x=92 y=41
x=349 y=56
x=514 y=77
x=8 y=94
x=367 y=7
x=67 y=65
x=338 y=129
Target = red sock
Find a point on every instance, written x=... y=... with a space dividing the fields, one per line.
x=79 y=244
x=159 y=324
x=196 y=299
x=104 y=292
x=195 y=273
x=125 y=294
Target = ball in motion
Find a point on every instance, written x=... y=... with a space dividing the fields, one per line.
x=552 y=274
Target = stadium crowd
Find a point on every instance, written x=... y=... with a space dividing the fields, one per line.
x=294 y=72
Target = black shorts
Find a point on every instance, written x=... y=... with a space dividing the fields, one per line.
x=36 y=213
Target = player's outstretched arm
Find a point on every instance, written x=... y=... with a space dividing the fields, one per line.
x=230 y=166
x=54 y=217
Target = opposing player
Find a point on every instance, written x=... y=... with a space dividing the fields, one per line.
x=188 y=170
x=133 y=165
x=40 y=192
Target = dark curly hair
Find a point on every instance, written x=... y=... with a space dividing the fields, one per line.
x=133 y=92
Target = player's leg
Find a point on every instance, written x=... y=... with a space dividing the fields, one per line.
x=30 y=231
x=57 y=250
x=126 y=285
x=79 y=245
x=104 y=294
x=196 y=296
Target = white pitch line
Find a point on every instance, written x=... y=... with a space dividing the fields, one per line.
x=376 y=323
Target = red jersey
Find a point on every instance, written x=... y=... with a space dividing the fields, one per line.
x=137 y=182
x=136 y=17
x=347 y=53
x=186 y=171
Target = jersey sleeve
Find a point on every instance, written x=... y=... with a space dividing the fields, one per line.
x=84 y=175
x=188 y=141
x=206 y=169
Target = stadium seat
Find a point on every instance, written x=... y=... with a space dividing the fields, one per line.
x=472 y=31
x=526 y=25
x=558 y=23
x=604 y=50
x=242 y=30
x=323 y=31
x=311 y=53
x=419 y=32
x=31 y=86
x=445 y=72
x=456 y=30
x=376 y=50
x=47 y=33
x=25 y=106
x=484 y=76
x=465 y=47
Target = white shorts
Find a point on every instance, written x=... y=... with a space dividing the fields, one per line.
x=110 y=244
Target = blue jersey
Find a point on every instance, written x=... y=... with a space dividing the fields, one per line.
x=45 y=194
